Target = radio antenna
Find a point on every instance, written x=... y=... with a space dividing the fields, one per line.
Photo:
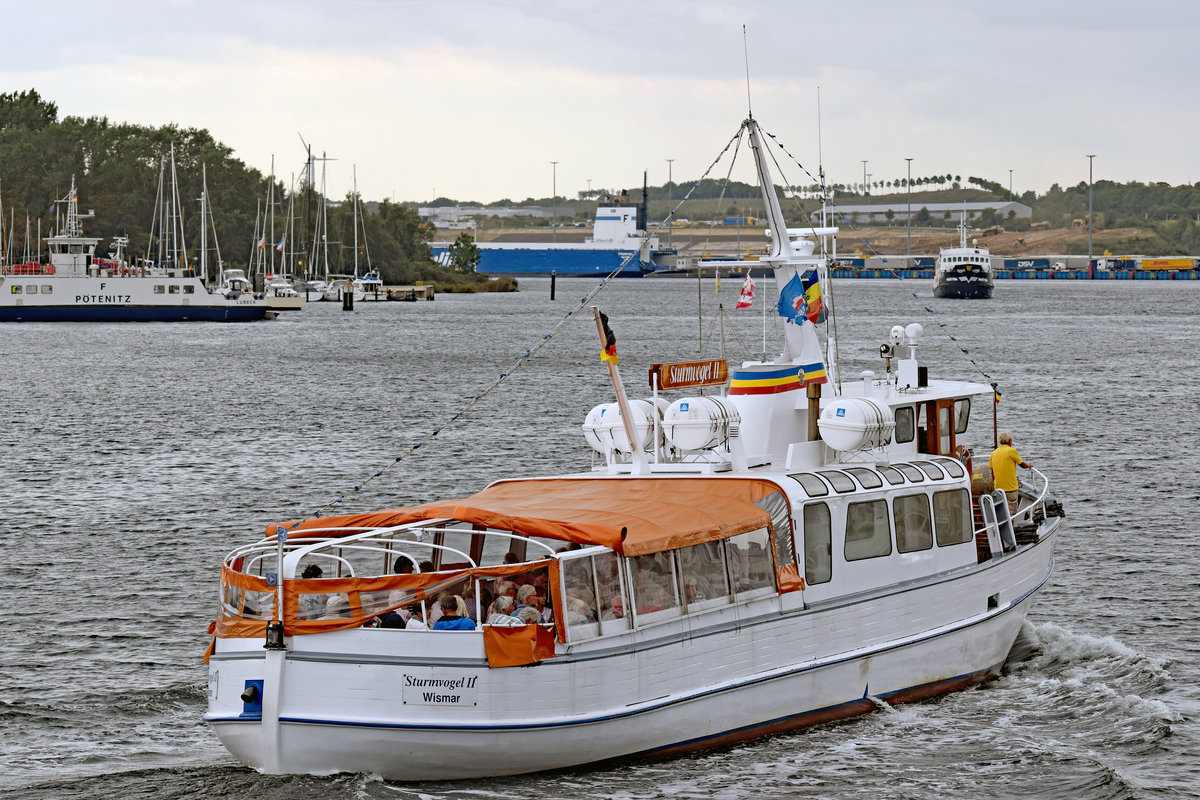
x=746 y=54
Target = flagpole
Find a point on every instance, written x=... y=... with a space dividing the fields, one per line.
x=638 y=457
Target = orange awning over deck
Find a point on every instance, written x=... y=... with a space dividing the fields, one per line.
x=633 y=516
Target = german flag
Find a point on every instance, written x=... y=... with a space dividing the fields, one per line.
x=609 y=352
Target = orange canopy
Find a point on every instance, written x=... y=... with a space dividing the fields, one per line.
x=631 y=515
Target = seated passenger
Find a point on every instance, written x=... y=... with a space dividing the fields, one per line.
x=403 y=566
x=529 y=615
x=616 y=610
x=451 y=620
x=526 y=596
x=502 y=612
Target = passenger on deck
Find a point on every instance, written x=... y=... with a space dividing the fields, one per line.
x=1004 y=462
x=312 y=606
x=502 y=613
x=403 y=566
x=451 y=620
x=529 y=615
x=526 y=596
x=616 y=610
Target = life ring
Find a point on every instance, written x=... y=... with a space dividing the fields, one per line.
x=963 y=454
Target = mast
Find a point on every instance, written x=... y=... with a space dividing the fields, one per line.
x=355 y=178
x=204 y=223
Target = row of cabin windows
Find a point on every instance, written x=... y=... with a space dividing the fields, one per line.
x=604 y=593
x=868 y=532
x=32 y=289
x=173 y=289
x=843 y=480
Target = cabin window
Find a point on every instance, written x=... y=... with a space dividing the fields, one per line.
x=580 y=605
x=932 y=470
x=610 y=599
x=813 y=486
x=914 y=528
x=189 y=289
x=47 y=289
x=894 y=476
x=962 y=413
x=705 y=578
x=953 y=466
x=174 y=289
x=749 y=557
x=840 y=481
x=867 y=477
x=459 y=554
x=906 y=427
x=160 y=289
x=818 y=550
x=952 y=517
x=15 y=289
x=655 y=591
x=868 y=534
x=912 y=473
x=781 y=527
x=31 y=289
x=259 y=605
x=945 y=440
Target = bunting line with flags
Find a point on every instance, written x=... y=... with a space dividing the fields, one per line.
x=746 y=298
x=609 y=352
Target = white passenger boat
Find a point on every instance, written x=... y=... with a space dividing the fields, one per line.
x=784 y=554
x=78 y=286
x=965 y=271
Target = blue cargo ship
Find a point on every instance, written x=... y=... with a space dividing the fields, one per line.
x=616 y=238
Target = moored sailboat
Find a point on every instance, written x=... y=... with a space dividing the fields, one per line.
x=792 y=551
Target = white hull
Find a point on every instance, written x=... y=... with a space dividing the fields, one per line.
x=731 y=677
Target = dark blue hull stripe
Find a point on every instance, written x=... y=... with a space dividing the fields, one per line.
x=130 y=314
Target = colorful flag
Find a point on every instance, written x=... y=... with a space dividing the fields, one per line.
x=609 y=352
x=746 y=299
x=812 y=297
x=792 y=304
x=262 y=243
x=279 y=244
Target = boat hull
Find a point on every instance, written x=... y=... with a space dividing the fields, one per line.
x=752 y=674
x=964 y=286
x=546 y=260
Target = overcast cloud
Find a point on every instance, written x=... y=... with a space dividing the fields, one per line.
x=473 y=99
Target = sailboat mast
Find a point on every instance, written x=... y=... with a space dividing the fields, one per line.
x=355 y=181
x=204 y=223
x=271 y=213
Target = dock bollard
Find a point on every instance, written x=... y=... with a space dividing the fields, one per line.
x=347 y=300
x=553 y=276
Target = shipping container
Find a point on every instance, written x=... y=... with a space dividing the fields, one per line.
x=1168 y=263
x=1027 y=263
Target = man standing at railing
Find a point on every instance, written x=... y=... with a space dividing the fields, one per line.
x=1004 y=462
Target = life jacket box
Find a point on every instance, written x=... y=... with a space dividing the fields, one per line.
x=982 y=481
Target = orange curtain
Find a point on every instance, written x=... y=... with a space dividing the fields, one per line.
x=517 y=646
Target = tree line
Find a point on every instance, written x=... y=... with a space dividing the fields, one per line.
x=116 y=167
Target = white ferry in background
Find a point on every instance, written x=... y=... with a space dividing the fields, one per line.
x=964 y=271
x=793 y=551
x=617 y=238
x=78 y=286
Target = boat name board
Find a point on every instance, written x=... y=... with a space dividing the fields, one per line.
x=685 y=374
x=430 y=690
x=102 y=298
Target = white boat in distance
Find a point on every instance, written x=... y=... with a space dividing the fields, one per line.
x=964 y=271
x=789 y=553
x=77 y=286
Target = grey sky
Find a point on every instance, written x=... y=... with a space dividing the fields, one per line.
x=474 y=99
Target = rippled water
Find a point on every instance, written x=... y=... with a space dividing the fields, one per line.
x=136 y=455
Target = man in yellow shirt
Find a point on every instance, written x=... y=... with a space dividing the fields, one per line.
x=1004 y=463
